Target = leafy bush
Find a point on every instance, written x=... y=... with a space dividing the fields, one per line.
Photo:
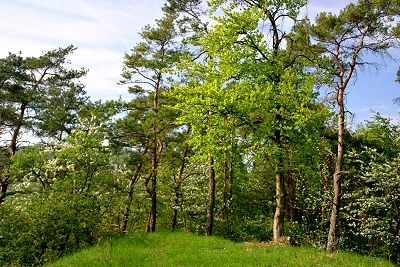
x=372 y=208
x=46 y=226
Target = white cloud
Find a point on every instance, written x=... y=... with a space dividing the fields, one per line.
x=317 y=6
x=102 y=30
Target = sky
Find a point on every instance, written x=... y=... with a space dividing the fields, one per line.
x=104 y=30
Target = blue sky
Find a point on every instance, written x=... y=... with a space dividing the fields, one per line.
x=104 y=30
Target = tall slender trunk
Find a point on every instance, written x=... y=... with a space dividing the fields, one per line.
x=224 y=191
x=153 y=210
x=131 y=184
x=151 y=225
x=230 y=195
x=177 y=188
x=152 y=219
x=278 y=229
x=337 y=187
x=344 y=79
x=175 y=203
x=14 y=140
x=210 y=197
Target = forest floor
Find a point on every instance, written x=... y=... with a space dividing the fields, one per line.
x=184 y=249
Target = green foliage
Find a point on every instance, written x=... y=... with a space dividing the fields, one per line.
x=29 y=170
x=342 y=42
x=65 y=198
x=255 y=95
x=372 y=210
x=379 y=133
x=41 y=228
x=41 y=92
x=371 y=202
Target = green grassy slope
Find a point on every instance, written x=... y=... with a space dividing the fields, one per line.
x=183 y=249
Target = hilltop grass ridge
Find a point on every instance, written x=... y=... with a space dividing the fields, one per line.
x=184 y=249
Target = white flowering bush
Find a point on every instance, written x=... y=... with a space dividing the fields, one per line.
x=372 y=205
x=66 y=196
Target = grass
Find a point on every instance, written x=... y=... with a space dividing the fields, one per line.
x=183 y=249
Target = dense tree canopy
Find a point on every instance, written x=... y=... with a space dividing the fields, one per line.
x=39 y=94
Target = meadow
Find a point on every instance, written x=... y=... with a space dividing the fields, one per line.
x=184 y=249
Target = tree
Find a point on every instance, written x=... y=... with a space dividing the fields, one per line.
x=145 y=68
x=191 y=26
x=242 y=84
x=345 y=40
x=32 y=89
x=277 y=63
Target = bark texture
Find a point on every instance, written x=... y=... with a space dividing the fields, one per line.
x=337 y=187
x=278 y=229
x=210 y=197
x=131 y=184
x=177 y=188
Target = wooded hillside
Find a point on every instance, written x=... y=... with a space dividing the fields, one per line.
x=227 y=133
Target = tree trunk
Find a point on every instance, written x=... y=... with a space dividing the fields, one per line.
x=4 y=182
x=224 y=192
x=16 y=132
x=151 y=222
x=230 y=196
x=279 y=210
x=210 y=197
x=177 y=188
x=175 y=203
x=153 y=210
x=278 y=230
x=127 y=209
x=337 y=187
x=151 y=226
x=3 y=188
